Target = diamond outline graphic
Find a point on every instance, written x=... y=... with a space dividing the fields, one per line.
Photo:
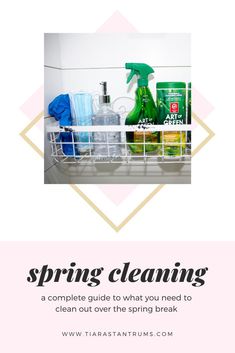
x=207 y=139
x=24 y=132
x=115 y=227
x=113 y=25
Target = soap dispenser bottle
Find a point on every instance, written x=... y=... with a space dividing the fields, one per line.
x=106 y=144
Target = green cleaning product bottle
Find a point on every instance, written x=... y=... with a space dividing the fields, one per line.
x=171 y=106
x=144 y=111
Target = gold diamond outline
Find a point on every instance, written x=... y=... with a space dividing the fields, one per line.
x=211 y=134
x=115 y=227
x=24 y=132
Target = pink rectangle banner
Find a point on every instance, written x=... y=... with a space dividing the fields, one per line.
x=117 y=296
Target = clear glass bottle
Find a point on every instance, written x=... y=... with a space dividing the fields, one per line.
x=106 y=144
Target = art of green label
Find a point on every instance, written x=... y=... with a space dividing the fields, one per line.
x=171 y=108
x=144 y=113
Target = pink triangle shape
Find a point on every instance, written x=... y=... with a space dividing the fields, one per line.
x=201 y=106
x=117 y=23
x=117 y=193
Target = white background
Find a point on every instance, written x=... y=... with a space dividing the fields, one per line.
x=34 y=211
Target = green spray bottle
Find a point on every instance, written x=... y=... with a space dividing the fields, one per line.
x=144 y=111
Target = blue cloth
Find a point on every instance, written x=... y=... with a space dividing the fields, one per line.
x=59 y=108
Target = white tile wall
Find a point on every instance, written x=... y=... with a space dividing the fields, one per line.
x=87 y=59
x=52 y=49
x=113 y=50
x=53 y=85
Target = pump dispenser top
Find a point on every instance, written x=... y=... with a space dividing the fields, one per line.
x=104 y=98
x=141 y=70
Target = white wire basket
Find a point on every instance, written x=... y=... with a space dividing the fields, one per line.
x=84 y=152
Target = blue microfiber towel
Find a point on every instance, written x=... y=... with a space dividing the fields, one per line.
x=59 y=108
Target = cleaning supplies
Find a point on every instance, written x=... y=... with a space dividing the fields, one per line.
x=106 y=144
x=171 y=105
x=144 y=112
x=82 y=113
x=59 y=108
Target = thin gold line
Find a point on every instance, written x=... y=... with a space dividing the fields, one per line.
x=207 y=139
x=141 y=205
x=27 y=139
x=117 y=228
x=88 y=200
x=201 y=122
x=26 y=130
x=93 y=205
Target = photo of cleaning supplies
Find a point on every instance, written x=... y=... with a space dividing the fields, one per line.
x=103 y=124
x=106 y=144
x=171 y=110
x=144 y=112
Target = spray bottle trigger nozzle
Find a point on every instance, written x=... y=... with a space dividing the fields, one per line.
x=129 y=78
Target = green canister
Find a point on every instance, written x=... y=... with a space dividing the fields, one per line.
x=189 y=119
x=189 y=103
x=171 y=106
